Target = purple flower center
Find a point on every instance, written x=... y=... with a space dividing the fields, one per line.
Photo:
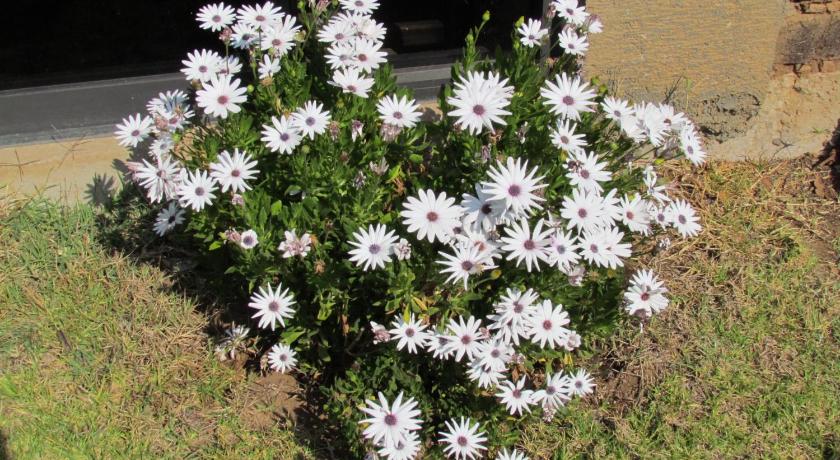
x=629 y=215
x=582 y=213
x=568 y=100
x=398 y=115
x=564 y=140
x=466 y=339
x=374 y=249
x=276 y=42
x=235 y=173
x=391 y=420
x=362 y=57
x=617 y=113
x=681 y=218
x=479 y=110
x=260 y=18
x=432 y=216
x=135 y=133
x=584 y=173
x=467 y=265
x=310 y=121
x=645 y=296
x=351 y=88
x=561 y=249
x=517 y=393
x=217 y=18
x=223 y=100
x=550 y=390
x=172 y=219
x=486 y=208
x=199 y=191
x=514 y=190
x=495 y=353
x=462 y=441
x=274 y=306
x=248 y=240
x=547 y=325
x=284 y=137
x=593 y=248
x=283 y=358
x=360 y=3
x=529 y=245
x=409 y=332
x=518 y=307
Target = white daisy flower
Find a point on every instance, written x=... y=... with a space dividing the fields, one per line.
x=409 y=334
x=201 y=65
x=168 y=218
x=260 y=16
x=604 y=248
x=281 y=358
x=675 y=121
x=574 y=44
x=586 y=173
x=531 y=33
x=407 y=449
x=563 y=137
x=635 y=214
x=494 y=354
x=584 y=211
x=616 y=109
x=568 y=96
x=360 y=6
x=562 y=250
x=268 y=67
x=431 y=217
x=161 y=180
x=515 y=397
x=682 y=216
x=660 y=215
x=480 y=101
x=468 y=260
x=196 y=190
x=221 y=96
x=511 y=315
x=511 y=455
x=438 y=345
x=215 y=17
x=280 y=39
x=556 y=393
x=368 y=55
x=691 y=146
x=248 y=239
x=230 y=65
x=134 y=130
x=652 y=123
x=486 y=377
x=336 y=32
x=311 y=119
x=244 y=36
x=646 y=295
x=281 y=135
x=402 y=111
x=571 y=11
x=352 y=81
x=522 y=244
x=581 y=383
x=389 y=424
x=482 y=212
x=515 y=186
x=341 y=55
x=463 y=440
x=465 y=338
x=594 y=25
x=546 y=325
x=295 y=246
x=232 y=172
x=373 y=248
x=273 y=306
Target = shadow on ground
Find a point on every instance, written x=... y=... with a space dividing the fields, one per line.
x=830 y=156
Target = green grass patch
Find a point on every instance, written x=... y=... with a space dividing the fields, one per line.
x=101 y=360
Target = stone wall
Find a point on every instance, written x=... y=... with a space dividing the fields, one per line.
x=760 y=77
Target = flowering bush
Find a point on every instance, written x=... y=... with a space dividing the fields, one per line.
x=434 y=274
